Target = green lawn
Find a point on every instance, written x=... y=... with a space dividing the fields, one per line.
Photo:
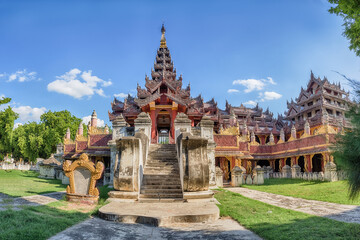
x=336 y=192
x=17 y=183
x=42 y=222
x=39 y=222
x=271 y=222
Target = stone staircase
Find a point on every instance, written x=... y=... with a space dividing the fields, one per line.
x=161 y=179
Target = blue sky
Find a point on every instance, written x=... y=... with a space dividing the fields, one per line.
x=77 y=55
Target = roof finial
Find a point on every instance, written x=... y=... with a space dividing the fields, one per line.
x=163 y=39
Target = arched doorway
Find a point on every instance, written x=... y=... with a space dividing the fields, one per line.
x=288 y=162
x=263 y=163
x=277 y=165
x=163 y=126
x=257 y=139
x=301 y=163
x=317 y=163
x=227 y=169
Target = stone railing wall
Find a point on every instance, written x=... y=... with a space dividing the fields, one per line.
x=240 y=177
x=330 y=174
x=23 y=167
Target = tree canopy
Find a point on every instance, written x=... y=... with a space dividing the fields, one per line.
x=7 y=119
x=350 y=11
x=347 y=148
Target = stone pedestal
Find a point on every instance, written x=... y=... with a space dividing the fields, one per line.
x=236 y=177
x=143 y=121
x=219 y=177
x=286 y=171
x=249 y=180
x=330 y=174
x=126 y=164
x=195 y=164
x=119 y=131
x=181 y=124
x=206 y=129
x=258 y=175
x=295 y=171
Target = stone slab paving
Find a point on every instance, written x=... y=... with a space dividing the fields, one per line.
x=160 y=214
x=35 y=200
x=339 y=212
x=96 y=228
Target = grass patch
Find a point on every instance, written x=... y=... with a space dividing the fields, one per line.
x=39 y=222
x=271 y=222
x=16 y=183
x=42 y=222
x=336 y=192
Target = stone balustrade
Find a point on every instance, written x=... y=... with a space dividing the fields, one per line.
x=330 y=174
x=22 y=167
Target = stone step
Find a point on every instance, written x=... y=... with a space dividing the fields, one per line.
x=163 y=171
x=160 y=165
x=159 y=162
x=162 y=200
x=161 y=191
x=161 y=195
x=161 y=176
x=162 y=157
x=165 y=161
x=167 y=182
x=160 y=186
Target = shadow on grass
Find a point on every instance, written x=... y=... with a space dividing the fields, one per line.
x=288 y=181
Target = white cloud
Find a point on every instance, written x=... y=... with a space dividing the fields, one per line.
x=20 y=76
x=250 y=102
x=233 y=91
x=27 y=113
x=121 y=95
x=86 y=120
x=254 y=84
x=270 y=96
x=78 y=84
x=16 y=125
x=271 y=81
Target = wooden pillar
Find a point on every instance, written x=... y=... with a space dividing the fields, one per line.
x=153 y=122
x=308 y=158
x=173 y=116
x=283 y=163
x=293 y=161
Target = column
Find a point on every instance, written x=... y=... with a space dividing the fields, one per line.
x=153 y=122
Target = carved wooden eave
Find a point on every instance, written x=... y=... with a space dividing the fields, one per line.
x=148 y=100
x=176 y=99
x=230 y=131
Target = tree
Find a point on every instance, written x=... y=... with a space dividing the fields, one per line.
x=60 y=121
x=30 y=141
x=7 y=119
x=347 y=148
x=350 y=11
x=34 y=140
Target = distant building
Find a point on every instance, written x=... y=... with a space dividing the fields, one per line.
x=244 y=136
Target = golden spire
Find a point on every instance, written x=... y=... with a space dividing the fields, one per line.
x=163 y=39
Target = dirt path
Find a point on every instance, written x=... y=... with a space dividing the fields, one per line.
x=35 y=200
x=339 y=212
